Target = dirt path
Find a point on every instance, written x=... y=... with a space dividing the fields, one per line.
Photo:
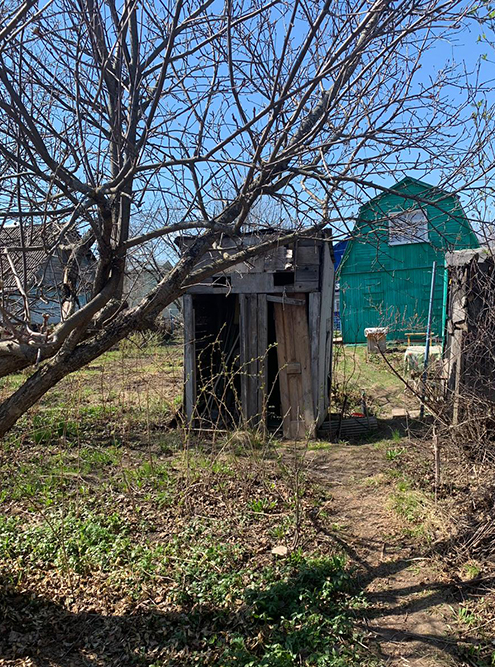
x=409 y=617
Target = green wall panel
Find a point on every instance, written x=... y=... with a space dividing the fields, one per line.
x=389 y=285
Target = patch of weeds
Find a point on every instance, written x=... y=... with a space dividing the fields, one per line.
x=381 y=444
x=261 y=505
x=284 y=528
x=396 y=436
x=467 y=617
x=164 y=498
x=90 y=414
x=51 y=425
x=375 y=480
x=171 y=442
x=198 y=462
x=320 y=445
x=337 y=527
x=470 y=570
x=149 y=475
x=394 y=453
x=411 y=505
x=80 y=544
x=301 y=608
x=96 y=456
x=210 y=575
x=481 y=655
x=393 y=473
x=43 y=478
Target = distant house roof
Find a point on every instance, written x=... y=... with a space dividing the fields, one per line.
x=25 y=252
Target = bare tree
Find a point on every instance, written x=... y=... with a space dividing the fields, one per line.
x=193 y=113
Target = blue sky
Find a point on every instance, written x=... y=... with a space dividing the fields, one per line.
x=471 y=51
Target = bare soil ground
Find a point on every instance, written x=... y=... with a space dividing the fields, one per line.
x=414 y=599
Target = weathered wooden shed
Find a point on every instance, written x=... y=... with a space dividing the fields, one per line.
x=258 y=339
x=469 y=355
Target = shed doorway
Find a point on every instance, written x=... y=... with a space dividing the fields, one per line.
x=252 y=363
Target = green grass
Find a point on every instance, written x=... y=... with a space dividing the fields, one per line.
x=143 y=549
x=394 y=453
x=353 y=373
x=70 y=542
x=126 y=390
x=184 y=529
x=414 y=506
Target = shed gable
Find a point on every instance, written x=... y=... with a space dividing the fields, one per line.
x=402 y=258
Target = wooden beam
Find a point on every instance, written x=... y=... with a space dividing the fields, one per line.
x=285 y=299
x=189 y=356
x=325 y=335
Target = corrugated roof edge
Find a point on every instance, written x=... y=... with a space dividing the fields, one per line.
x=465 y=256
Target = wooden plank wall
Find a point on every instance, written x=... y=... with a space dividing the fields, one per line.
x=325 y=335
x=254 y=343
x=294 y=362
x=189 y=356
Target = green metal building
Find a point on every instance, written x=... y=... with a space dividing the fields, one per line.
x=385 y=274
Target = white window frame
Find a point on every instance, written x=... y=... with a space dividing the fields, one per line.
x=404 y=230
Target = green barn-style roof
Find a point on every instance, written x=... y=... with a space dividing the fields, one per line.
x=385 y=274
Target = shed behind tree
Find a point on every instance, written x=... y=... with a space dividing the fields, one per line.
x=470 y=332
x=258 y=339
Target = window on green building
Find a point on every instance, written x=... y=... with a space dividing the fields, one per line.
x=407 y=227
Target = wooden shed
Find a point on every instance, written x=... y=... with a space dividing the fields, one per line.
x=469 y=356
x=258 y=339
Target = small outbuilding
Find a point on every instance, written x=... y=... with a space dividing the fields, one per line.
x=258 y=339
x=386 y=271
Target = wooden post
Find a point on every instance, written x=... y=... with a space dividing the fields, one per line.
x=189 y=357
x=325 y=335
x=436 y=455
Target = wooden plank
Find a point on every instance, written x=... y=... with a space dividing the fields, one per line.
x=307 y=256
x=252 y=346
x=250 y=365
x=189 y=357
x=293 y=350
x=262 y=338
x=302 y=350
x=261 y=283
x=307 y=274
x=286 y=299
x=325 y=335
x=285 y=402
x=252 y=283
x=314 y=305
x=309 y=242
x=244 y=358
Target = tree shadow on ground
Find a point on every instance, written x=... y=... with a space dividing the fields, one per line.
x=47 y=633
x=385 y=605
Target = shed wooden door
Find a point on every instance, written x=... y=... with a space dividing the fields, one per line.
x=294 y=363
